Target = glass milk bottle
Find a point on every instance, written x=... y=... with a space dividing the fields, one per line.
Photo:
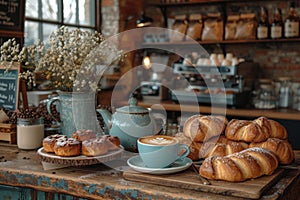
x=285 y=92
x=30 y=133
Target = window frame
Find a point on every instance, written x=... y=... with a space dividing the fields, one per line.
x=61 y=22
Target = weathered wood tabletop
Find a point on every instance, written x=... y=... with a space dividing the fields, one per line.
x=102 y=181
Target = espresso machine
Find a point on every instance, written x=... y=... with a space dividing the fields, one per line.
x=230 y=85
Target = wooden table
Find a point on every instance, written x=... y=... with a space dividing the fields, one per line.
x=22 y=170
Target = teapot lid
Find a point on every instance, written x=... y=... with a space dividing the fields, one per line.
x=133 y=108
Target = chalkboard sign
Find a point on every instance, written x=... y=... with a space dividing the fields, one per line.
x=9 y=86
x=12 y=15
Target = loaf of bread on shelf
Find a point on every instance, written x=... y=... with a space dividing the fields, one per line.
x=282 y=148
x=200 y=128
x=246 y=130
x=247 y=164
x=274 y=128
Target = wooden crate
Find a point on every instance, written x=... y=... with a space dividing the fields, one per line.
x=8 y=133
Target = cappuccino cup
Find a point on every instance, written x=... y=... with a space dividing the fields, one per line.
x=159 y=151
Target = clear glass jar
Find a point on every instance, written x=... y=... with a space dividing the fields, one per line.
x=296 y=98
x=285 y=92
x=30 y=133
x=266 y=97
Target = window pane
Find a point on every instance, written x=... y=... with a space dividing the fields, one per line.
x=50 y=9
x=75 y=12
x=87 y=12
x=88 y=29
x=31 y=33
x=31 y=8
x=47 y=29
x=70 y=11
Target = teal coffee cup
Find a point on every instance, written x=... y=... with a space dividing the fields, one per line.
x=159 y=151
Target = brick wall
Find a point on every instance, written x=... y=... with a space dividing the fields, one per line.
x=119 y=15
x=110 y=17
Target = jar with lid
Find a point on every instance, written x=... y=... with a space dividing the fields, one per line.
x=258 y=83
x=266 y=97
x=262 y=81
x=30 y=133
x=285 y=92
x=296 y=98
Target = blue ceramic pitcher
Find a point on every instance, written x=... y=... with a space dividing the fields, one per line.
x=77 y=111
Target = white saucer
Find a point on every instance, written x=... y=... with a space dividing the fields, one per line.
x=137 y=164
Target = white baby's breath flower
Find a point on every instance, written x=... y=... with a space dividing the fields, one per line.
x=66 y=61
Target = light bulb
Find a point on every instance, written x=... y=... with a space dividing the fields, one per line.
x=147 y=62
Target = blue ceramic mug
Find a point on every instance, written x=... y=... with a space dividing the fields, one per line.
x=159 y=151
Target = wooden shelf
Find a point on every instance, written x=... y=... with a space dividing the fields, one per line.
x=186 y=43
x=198 y=2
x=287 y=114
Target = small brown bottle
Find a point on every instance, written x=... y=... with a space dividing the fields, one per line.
x=291 y=24
x=277 y=25
x=263 y=24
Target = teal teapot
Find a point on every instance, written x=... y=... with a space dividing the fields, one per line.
x=130 y=122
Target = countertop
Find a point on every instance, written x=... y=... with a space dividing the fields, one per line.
x=102 y=181
x=168 y=105
x=290 y=118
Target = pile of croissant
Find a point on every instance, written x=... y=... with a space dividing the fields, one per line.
x=236 y=150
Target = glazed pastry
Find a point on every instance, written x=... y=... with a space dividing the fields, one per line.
x=67 y=147
x=281 y=148
x=94 y=147
x=195 y=151
x=200 y=128
x=246 y=130
x=247 y=164
x=217 y=146
x=222 y=147
x=83 y=134
x=275 y=129
x=112 y=142
x=49 y=142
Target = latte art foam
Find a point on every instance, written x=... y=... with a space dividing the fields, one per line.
x=159 y=140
